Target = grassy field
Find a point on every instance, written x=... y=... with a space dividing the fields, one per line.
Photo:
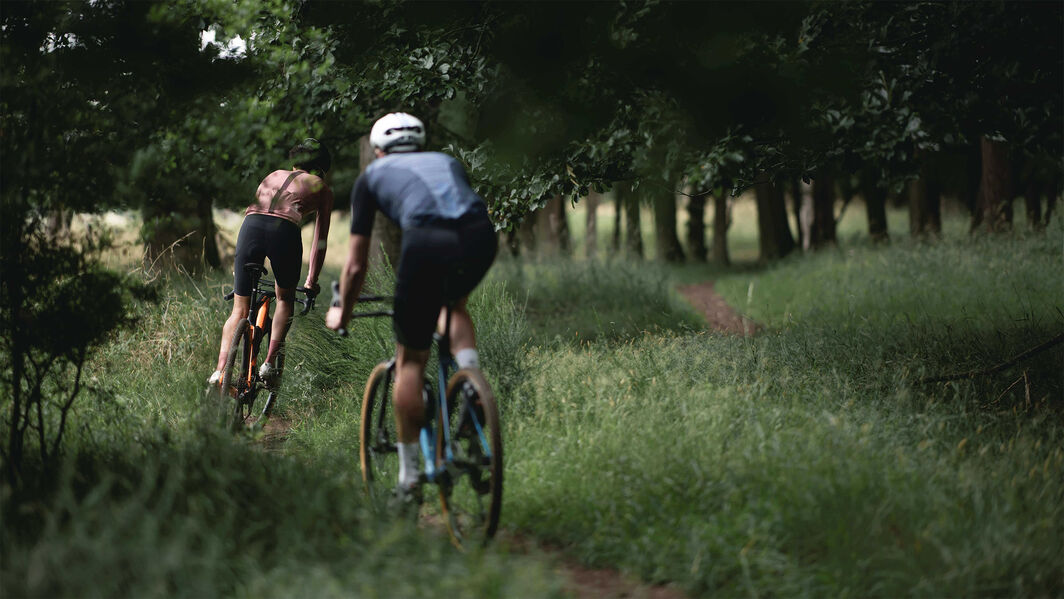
x=805 y=461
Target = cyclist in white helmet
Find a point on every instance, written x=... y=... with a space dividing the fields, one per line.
x=448 y=245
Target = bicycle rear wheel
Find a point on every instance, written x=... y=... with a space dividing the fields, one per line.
x=471 y=484
x=238 y=384
x=378 y=436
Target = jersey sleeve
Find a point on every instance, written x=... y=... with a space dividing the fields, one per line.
x=363 y=207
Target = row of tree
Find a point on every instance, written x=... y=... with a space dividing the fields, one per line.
x=120 y=104
x=540 y=100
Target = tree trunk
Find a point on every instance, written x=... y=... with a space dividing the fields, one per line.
x=666 y=239
x=925 y=202
x=558 y=224
x=513 y=242
x=721 y=222
x=591 y=226
x=211 y=255
x=994 y=212
x=387 y=239
x=696 y=227
x=876 y=207
x=969 y=192
x=179 y=233
x=57 y=223
x=797 y=190
x=805 y=214
x=526 y=234
x=618 y=209
x=822 y=229
x=1032 y=199
x=1052 y=189
x=633 y=234
x=774 y=232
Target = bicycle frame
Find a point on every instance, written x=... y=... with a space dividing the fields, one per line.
x=462 y=450
x=261 y=325
x=247 y=384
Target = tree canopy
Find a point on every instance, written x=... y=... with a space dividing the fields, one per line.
x=538 y=99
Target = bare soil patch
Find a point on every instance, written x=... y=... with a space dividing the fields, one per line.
x=582 y=582
x=274 y=433
x=720 y=316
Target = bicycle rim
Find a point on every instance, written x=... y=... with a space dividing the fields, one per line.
x=237 y=389
x=471 y=485
x=378 y=436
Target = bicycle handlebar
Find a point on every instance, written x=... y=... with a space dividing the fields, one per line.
x=337 y=301
x=265 y=288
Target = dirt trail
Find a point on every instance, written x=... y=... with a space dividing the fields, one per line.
x=582 y=582
x=720 y=316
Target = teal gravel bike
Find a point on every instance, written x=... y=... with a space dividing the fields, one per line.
x=461 y=441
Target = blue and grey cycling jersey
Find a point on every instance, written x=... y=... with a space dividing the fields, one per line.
x=414 y=189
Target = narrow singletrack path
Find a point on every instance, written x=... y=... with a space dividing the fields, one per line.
x=719 y=315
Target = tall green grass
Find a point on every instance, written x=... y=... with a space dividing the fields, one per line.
x=809 y=460
x=153 y=500
x=574 y=302
x=805 y=461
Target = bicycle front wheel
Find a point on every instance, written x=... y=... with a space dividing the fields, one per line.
x=469 y=451
x=238 y=385
x=378 y=436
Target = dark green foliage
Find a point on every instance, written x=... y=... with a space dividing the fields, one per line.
x=56 y=305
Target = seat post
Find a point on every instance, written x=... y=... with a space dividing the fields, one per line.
x=444 y=342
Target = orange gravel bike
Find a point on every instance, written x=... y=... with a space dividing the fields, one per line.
x=241 y=384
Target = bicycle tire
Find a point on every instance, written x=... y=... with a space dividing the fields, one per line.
x=238 y=384
x=476 y=470
x=378 y=435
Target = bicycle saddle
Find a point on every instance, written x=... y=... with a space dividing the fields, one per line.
x=256 y=269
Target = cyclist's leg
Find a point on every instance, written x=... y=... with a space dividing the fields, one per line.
x=282 y=321
x=248 y=249
x=409 y=411
x=241 y=306
x=286 y=258
x=409 y=381
x=463 y=335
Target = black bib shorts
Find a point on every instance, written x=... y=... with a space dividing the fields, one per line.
x=440 y=263
x=263 y=236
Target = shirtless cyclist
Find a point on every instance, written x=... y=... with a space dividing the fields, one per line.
x=271 y=229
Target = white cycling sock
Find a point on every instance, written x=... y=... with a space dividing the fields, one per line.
x=408 y=463
x=467 y=358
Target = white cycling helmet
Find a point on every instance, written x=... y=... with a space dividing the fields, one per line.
x=398 y=132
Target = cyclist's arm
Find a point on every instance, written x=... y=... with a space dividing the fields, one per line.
x=363 y=209
x=321 y=237
x=353 y=275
